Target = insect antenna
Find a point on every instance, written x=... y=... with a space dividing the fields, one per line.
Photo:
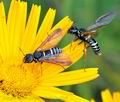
x=22 y=51
x=21 y=65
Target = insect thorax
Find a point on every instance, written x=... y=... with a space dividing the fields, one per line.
x=38 y=54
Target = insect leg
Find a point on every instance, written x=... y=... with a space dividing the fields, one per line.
x=60 y=65
x=41 y=68
x=74 y=46
x=85 y=54
x=75 y=38
x=71 y=46
x=80 y=42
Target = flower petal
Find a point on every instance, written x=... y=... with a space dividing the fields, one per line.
x=44 y=28
x=92 y=100
x=116 y=96
x=75 y=98
x=3 y=34
x=71 y=77
x=75 y=52
x=55 y=93
x=31 y=29
x=13 y=25
x=9 y=98
x=106 y=96
x=19 y=27
x=32 y=99
x=64 y=24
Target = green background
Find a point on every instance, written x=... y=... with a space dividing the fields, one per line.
x=83 y=13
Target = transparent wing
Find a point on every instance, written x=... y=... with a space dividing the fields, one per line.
x=52 y=40
x=61 y=59
x=102 y=21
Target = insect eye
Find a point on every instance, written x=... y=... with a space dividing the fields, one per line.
x=28 y=58
x=38 y=54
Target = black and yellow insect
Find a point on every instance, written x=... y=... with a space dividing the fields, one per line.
x=47 y=52
x=87 y=34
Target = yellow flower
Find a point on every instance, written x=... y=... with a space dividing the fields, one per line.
x=108 y=97
x=21 y=82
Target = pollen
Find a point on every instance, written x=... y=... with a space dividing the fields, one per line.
x=19 y=80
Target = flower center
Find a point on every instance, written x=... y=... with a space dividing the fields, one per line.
x=19 y=80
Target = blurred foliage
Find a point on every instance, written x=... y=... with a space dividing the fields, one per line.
x=83 y=13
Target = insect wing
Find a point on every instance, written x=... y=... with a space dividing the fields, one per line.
x=61 y=59
x=52 y=40
x=102 y=21
x=91 y=33
x=106 y=19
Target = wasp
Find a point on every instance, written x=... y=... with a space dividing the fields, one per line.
x=87 y=34
x=47 y=52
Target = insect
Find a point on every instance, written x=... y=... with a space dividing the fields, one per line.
x=47 y=52
x=87 y=34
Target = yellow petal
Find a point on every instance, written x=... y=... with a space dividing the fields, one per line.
x=75 y=52
x=106 y=96
x=31 y=99
x=12 y=25
x=64 y=24
x=71 y=77
x=55 y=93
x=75 y=98
x=9 y=98
x=3 y=34
x=92 y=100
x=44 y=28
x=116 y=96
x=31 y=29
x=16 y=25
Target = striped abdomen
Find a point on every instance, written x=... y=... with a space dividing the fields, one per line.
x=52 y=52
x=94 y=45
